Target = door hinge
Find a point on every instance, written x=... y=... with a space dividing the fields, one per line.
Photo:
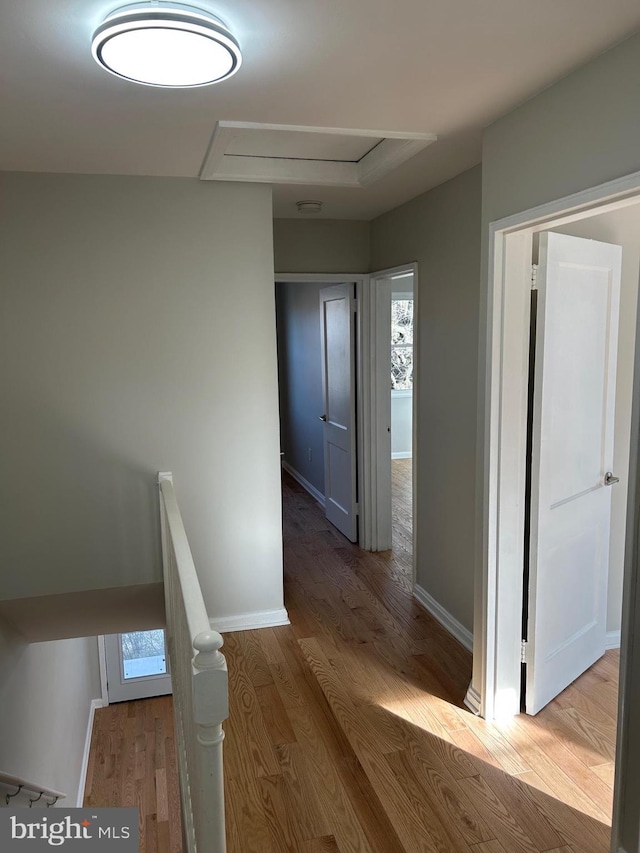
x=357 y=509
x=523 y=651
x=534 y=276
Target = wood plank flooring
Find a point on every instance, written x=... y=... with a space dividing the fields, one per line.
x=347 y=732
x=402 y=510
x=132 y=763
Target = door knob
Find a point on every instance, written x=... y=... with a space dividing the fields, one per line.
x=323 y=418
x=609 y=479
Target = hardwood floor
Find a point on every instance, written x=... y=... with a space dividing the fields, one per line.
x=402 y=509
x=133 y=763
x=347 y=731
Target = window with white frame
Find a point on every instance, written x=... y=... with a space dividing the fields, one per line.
x=402 y=342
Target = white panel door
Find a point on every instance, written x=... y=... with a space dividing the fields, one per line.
x=337 y=317
x=572 y=459
x=137 y=665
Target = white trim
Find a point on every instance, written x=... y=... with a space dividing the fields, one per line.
x=391 y=150
x=315 y=493
x=612 y=195
x=380 y=412
x=398 y=272
x=613 y=640
x=402 y=392
x=95 y=703
x=402 y=454
x=449 y=622
x=320 y=277
x=102 y=661
x=250 y=621
x=473 y=701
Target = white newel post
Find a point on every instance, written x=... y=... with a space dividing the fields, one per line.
x=211 y=707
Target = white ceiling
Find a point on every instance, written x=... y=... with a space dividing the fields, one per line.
x=448 y=67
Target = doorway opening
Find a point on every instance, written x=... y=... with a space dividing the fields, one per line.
x=136 y=665
x=604 y=215
x=379 y=365
x=320 y=367
x=394 y=309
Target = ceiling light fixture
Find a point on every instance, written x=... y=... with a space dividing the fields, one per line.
x=166 y=44
x=309 y=207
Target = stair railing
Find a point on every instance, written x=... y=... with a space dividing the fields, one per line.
x=45 y=795
x=200 y=685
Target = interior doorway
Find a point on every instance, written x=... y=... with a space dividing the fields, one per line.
x=394 y=407
x=379 y=365
x=612 y=225
x=611 y=214
x=320 y=366
x=136 y=665
x=402 y=384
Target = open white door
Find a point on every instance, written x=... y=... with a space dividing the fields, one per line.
x=572 y=458
x=337 y=317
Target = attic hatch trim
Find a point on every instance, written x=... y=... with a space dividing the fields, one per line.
x=392 y=149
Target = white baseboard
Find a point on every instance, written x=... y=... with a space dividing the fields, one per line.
x=444 y=617
x=250 y=621
x=315 y=493
x=472 y=700
x=613 y=640
x=102 y=660
x=402 y=454
x=95 y=703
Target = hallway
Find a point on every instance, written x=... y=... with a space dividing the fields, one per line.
x=347 y=731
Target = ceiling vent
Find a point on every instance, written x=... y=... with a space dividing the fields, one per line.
x=308 y=208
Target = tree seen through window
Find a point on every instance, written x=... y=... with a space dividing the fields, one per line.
x=402 y=344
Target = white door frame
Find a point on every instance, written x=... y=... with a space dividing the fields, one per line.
x=495 y=687
x=381 y=412
x=363 y=383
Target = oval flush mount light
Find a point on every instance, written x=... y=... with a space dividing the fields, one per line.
x=166 y=44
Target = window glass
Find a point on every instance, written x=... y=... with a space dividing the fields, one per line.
x=143 y=653
x=402 y=344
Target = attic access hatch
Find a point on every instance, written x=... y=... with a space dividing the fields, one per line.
x=288 y=154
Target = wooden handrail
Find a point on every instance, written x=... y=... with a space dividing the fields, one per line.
x=25 y=785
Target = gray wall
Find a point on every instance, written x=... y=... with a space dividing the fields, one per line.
x=45 y=696
x=621 y=227
x=137 y=334
x=300 y=376
x=581 y=132
x=321 y=245
x=441 y=231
